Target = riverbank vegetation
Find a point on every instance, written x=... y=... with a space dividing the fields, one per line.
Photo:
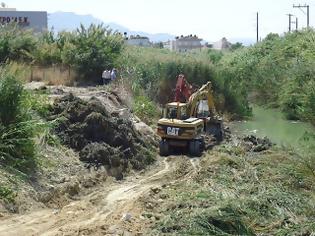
x=154 y=71
x=88 y=51
x=278 y=72
x=20 y=125
x=235 y=192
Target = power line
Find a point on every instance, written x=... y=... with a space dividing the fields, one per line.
x=307 y=10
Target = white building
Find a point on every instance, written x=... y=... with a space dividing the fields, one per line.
x=138 y=41
x=36 y=20
x=183 y=43
x=167 y=44
x=221 y=44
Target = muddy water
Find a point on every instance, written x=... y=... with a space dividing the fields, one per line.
x=272 y=123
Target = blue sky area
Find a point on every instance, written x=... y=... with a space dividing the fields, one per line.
x=209 y=19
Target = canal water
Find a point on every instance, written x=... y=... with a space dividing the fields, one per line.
x=272 y=123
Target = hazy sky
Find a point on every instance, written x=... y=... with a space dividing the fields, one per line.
x=209 y=19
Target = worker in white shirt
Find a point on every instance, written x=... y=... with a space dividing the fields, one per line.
x=113 y=74
x=106 y=76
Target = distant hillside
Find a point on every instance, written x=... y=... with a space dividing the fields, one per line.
x=69 y=21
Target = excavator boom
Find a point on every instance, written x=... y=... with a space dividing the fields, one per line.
x=183 y=89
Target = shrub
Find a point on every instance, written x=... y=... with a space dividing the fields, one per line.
x=16 y=44
x=17 y=129
x=279 y=70
x=10 y=100
x=145 y=109
x=215 y=55
x=6 y=193
x=90 y=50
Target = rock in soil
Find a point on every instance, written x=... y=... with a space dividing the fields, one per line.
x=126 y=217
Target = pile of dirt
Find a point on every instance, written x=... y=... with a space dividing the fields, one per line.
x=257 y=144
x=100 y=138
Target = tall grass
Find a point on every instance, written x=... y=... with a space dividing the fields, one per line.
x=17 y=126
x=239 y=193
x=279 y=71
x=154 y=71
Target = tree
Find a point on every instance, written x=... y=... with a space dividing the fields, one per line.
x=236 y=46
x=158 y=45
x=91 y=50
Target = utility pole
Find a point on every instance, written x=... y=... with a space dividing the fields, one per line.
x=295 y=23
x=290 y=15
x=307 y=12
x=257 y=29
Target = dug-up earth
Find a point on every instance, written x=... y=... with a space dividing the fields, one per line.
x=91 y=184
x=118 y=185
x=110 y=209
x=101 y=142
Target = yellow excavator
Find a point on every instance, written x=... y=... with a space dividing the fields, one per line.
x=188 y=119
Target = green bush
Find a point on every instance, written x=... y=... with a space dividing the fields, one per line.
x=90 y=50
x=10 y=100
x=16 y=44
x=145 y=109
x=215 y=55
x=7 y=193
x=280 y=71
x=17 y=129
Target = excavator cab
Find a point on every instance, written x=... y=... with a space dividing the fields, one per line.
x=176 y=110
x=203 y=109
x=172 y=113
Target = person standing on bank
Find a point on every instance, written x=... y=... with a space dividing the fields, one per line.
x=106 y=76
x=113 y=74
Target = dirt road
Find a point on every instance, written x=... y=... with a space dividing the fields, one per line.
x=98 y=213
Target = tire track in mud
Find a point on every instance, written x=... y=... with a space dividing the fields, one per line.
x=88 y=213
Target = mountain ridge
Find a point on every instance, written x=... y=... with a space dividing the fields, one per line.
x=59 y=21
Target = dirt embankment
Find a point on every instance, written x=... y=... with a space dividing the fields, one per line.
x=111 y=209
x=100 y=138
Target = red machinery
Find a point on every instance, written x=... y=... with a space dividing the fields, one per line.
x=183 y=89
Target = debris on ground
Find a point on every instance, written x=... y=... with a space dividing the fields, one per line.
x=100 y=138
x=257 y=144
x=126 y=217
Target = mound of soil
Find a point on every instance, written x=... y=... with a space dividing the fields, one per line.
x=257 y=144
x=100 y=138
